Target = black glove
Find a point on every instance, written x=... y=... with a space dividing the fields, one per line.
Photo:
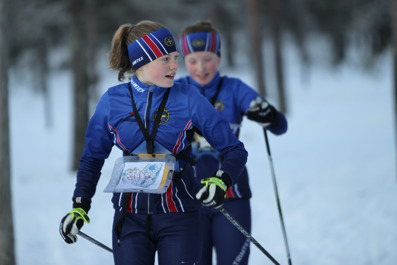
x=212 y=194
x=74 y=220
x=262 y=112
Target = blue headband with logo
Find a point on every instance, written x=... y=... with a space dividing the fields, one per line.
x=200 y=42
x=150 y=47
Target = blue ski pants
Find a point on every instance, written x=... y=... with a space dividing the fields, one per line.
x=231 y=246
x=175 y=236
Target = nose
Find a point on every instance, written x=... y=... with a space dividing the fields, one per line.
x=174 y=64
x=200 y=66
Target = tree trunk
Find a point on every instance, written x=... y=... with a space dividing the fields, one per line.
x=92 y=45
x=79 y=64
x=301 y=21
x=42 y=74
x=255 y=40
x=223 y=22
x=394 y=27
x=7 y=249
x=275 y=8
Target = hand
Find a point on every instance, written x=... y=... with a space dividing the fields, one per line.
x=262 y=112
x=212 y=194
x=74 y=220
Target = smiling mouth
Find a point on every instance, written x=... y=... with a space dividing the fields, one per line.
x=171 y=76
x=202 y=76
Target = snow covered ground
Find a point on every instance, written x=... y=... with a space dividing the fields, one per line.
x=335 y=170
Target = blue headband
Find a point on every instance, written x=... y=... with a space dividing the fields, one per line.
x=151 y=47
x=200 y=42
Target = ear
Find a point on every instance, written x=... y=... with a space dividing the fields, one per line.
x=138 y=73
x=140 y=70
x=219 y=60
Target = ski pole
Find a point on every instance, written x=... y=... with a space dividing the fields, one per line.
x=94 y=241
x=247 y=235
x=277 y=198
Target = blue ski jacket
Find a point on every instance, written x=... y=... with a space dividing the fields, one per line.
x=114 y=123
x=232 y=102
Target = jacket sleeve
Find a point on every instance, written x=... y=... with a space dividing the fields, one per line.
x=246 y=95
x=280 y=125
x=98 y=145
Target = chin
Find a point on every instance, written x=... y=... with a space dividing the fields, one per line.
x=167 y=83
x=202 y=81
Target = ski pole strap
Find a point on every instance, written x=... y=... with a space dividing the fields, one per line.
x=81 y=215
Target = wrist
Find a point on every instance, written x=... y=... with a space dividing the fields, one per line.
x=83 y=203
x=274 y=114
x=225 y=178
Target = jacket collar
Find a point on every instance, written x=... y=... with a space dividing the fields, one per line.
x=209 y=89
x=141 y=88
x=211 y=85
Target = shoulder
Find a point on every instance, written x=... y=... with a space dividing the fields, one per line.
x=183 y=79
x=237 y=86
x=118 y=89
x=114 y=96
x=187 y=95
x=185 y=89
x=236 y=82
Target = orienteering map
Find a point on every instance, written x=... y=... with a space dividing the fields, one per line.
x=142 y=175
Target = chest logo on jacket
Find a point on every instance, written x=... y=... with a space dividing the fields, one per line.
x=164 y=117
x=219 y=106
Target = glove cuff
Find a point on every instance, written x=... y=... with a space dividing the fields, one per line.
x=225 y=178
x=83 y=203
x=274 y=114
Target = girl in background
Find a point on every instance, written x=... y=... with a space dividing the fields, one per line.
x=200 y=45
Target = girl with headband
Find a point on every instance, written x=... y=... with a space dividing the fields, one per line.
x=151 y=119
x=200 y=45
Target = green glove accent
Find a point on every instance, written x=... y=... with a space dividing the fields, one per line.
x=209 y=182
x=212 y=193
x=82 y=215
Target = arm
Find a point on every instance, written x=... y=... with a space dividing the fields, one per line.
x=98 y=146
x=245 y=97
x=218 y=133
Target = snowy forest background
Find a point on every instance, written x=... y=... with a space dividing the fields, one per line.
x=327 y=64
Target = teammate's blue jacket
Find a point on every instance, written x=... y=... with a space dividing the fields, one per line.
x=113 y=123
x=232 y=103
